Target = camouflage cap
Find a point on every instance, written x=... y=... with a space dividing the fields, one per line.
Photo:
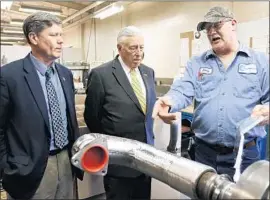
x=215 y=14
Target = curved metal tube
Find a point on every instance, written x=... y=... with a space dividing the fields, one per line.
x=179 y=173
x=186 y=176
x=174 y=137
x=253 y=184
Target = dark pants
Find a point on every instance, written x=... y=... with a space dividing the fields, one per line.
x=223 y=163
x=127 y=188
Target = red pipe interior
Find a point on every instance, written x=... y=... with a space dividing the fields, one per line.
x=95 y=158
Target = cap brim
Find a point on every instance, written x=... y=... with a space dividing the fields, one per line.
x=201 y=26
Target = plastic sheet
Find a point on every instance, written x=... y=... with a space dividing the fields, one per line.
x=243 y=127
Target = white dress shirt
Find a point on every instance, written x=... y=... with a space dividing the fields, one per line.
x=138 y=74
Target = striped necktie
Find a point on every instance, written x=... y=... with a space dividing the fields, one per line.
x=135 y=83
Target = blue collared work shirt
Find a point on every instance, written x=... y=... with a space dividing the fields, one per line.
x=222 y=97
x=41 y=70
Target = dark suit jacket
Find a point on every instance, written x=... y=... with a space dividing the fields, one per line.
x=24 y=125
x=112 y=108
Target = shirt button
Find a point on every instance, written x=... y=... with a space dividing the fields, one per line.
x=225 y=78
x=221 y=109
x=220 y=125
x=223 y=93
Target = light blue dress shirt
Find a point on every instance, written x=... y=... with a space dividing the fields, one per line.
x=41 y=70
x=222 y=97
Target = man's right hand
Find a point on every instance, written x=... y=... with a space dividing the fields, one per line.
x=161 y=110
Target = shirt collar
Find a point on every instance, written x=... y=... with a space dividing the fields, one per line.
x=242 y=49
x=125 y=67
x=40 y=66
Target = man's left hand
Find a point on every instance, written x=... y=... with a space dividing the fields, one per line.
x=261 y=110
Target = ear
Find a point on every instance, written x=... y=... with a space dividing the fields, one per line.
x=119 y=47
x=234 y=23
x=33 y=38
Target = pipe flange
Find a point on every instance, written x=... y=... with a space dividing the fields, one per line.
x=219 y=183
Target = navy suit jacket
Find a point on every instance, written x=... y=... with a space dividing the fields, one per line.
x=112 y=108
x=24 y=125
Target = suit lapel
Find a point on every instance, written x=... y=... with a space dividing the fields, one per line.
x=33 y=81
x=122 y=79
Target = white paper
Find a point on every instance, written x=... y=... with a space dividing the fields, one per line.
x=243 y=127
x=238 y=162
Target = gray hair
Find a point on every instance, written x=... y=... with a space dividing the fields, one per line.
x=128 y=31
x=37 y=22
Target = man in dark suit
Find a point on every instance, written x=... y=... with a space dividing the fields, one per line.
x=120 y=99
x=38 y=123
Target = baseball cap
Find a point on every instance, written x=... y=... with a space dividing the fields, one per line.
x=215 y=14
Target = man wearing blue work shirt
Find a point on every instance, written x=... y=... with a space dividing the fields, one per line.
x=229 y=83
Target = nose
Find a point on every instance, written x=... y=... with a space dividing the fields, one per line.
x=138 y=51
x=60 y=40
x=211 y=30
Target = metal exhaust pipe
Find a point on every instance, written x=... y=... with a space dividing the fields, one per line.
x=186 y=176
x=179 y=173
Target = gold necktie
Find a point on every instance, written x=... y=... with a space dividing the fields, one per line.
x=138 y=89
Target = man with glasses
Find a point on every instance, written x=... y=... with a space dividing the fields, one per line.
x=120 y=100
x=229 y=83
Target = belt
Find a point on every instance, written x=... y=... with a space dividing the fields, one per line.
x=57 y=151
x=222 y=149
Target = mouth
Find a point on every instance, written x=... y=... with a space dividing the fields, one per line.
x=215 y=39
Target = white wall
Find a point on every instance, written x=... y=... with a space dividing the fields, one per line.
x=15 y=52
x=162 y=23
x=102 y=38
x=73 y=37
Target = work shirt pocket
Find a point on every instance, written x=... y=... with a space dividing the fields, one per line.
x=207 y=86
x=247 y=86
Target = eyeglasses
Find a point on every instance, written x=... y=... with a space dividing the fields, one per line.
x=216 y=26
x=136 y=48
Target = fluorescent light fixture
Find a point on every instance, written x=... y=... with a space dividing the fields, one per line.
x=20 y=23
x=12 y=31
x=111 y=10
x=2 y=42
x=11 y=38
x=6 y=4
x=30 y=9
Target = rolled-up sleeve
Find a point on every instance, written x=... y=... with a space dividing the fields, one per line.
x=182 y=90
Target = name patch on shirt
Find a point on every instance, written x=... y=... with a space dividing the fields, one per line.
x=205 y=70
x=247 y=69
